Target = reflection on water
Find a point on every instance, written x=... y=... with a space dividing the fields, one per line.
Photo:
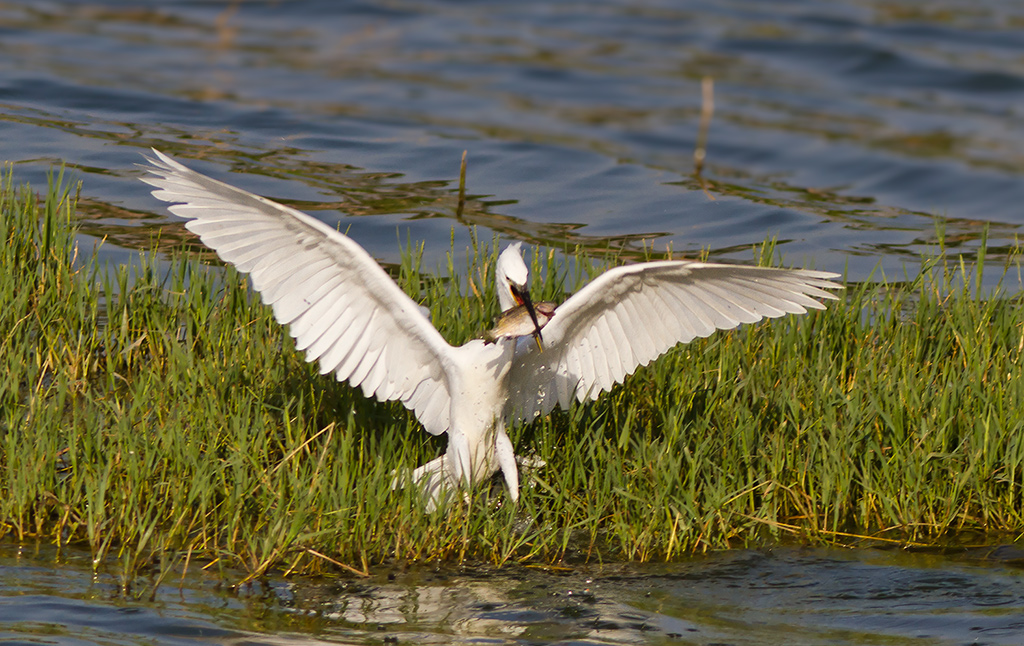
x=847 y=129
x=780 y=596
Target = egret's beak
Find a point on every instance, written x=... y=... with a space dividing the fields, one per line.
x=523 y=296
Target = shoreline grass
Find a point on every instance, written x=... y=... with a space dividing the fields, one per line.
x=165 y=418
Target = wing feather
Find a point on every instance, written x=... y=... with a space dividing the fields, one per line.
x=341 y=341
x=701 y=316
x=289 y=306
x=717 y=312
x=642 y=345
x=340 y=305
x=619 y=354
x=338 y=326
x=732 y=307
x=688 y=327
x=605 y=340
x=330 y=323
x=630 y=315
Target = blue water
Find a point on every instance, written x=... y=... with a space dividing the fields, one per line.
x=852 y=131
x=848 y=130
x=784 y=596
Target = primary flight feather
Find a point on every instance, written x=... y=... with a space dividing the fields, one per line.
x=347 y=314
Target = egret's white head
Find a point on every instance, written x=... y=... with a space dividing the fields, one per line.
x=512 y=277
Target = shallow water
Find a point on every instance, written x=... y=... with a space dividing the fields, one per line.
x=849 y=130
x=781 y=596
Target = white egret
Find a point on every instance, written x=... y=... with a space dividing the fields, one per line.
x=346 y=313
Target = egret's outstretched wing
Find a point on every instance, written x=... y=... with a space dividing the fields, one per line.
x=630 y=315
x=340 y=305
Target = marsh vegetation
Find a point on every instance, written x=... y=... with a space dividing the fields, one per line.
x=157 y=412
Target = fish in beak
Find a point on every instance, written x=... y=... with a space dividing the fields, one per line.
x=519 y=321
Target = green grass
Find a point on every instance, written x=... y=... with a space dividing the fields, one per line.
x=165 y=419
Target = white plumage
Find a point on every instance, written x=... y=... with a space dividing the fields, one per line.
x=346 y=313
x=628 y=316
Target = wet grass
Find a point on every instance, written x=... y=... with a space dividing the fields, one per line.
x=163 y=417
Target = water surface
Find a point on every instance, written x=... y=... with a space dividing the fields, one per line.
x=787 y=596
x=849 y=130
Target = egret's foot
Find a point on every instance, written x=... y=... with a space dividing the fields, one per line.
x=432 y=479
x=529 y=462
x=529 y=465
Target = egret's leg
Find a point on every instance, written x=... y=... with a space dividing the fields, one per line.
x=507 y=463
x=460 y=460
